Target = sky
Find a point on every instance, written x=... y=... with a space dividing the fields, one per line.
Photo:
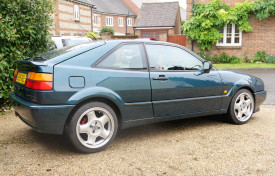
x=139 y=2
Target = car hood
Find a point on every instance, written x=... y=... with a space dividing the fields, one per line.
x=239 y=79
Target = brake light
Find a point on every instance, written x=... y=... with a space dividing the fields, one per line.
x=15 y=75
x=37 y=85
x=39 y=81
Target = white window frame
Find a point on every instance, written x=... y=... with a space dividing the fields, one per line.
x=129 y=21
x=109 y=21
x=120 y=22
x=223 y=43
x=76 y=12
x=96 y=21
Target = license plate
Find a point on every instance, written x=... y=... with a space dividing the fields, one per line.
x=21 y=78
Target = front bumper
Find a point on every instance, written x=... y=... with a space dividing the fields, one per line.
x=259 y=99
x=43 y=118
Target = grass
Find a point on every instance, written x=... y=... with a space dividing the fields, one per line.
x=244 y=66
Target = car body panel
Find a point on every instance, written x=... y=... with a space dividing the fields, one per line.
x=138 y=98
x=186 y=92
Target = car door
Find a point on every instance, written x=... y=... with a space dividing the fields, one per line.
x=124 y=71
x=179 y=84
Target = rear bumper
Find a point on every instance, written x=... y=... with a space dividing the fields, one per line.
x=43 y=118
x=259 y=99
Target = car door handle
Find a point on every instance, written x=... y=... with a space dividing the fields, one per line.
x=161 y=77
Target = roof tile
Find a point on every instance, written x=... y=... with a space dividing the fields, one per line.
x=157 y=14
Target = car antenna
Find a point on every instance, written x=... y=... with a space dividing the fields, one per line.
x=84 y=29
x=92 y=35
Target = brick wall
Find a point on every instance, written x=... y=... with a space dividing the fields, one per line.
x=262 y=38
x=65 y=24
x=177 y=28
x=122 y=30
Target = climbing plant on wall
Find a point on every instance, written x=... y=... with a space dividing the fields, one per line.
x=207 y=19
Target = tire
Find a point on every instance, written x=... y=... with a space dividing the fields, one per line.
x=241 y=107
x=92 y=128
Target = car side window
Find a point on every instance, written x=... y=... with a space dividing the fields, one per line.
x=125 y=57
x=165 y=58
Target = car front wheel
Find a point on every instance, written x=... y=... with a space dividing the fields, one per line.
x=241 y=107
x=93 y=127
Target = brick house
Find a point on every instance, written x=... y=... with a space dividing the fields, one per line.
x=72 y=17
x=239 y=43
x=158 y=20
x=118 y=14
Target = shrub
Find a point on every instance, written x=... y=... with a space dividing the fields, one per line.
x=270 y=59
x=107 y=29
x=92 y=35
x=224 y=58
x=215 y=59
x=235 y=60
x=260 y=56
x=205 y=55
x=24 y=32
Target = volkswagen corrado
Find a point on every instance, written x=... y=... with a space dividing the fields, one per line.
x=89 y=91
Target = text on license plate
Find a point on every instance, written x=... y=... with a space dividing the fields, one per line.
x=21 y=78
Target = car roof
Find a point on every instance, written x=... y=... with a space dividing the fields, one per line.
x=70 y=37
x=138 y=41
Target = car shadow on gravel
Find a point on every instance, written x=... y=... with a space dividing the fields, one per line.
x=52 y=143
x=156 y=129
x=59 y=144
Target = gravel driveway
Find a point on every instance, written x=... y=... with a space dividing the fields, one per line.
x=199 y=146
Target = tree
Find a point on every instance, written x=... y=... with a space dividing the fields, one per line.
x=24 y=32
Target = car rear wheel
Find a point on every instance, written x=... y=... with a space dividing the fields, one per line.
x=241 y=107
x=93 y=127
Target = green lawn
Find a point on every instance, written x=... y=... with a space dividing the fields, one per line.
x=243 y=65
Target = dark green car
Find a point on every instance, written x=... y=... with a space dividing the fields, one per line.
x=88 y=91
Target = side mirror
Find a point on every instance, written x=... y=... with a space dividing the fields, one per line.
x=207 y=66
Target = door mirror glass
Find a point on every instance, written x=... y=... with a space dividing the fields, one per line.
x=207 y=66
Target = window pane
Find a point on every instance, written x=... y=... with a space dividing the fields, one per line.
x=157 y=35
x=221 y=31
x=229 y=33
x=126 y=57
x=171 y=58
x=237 y=35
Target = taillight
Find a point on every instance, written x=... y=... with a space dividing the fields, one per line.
x=15 y=75
x=39 y=81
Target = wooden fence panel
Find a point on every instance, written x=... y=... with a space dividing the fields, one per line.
x=177 y=39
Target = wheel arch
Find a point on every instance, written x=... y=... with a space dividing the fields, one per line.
x=109 y=102
x=247 y=87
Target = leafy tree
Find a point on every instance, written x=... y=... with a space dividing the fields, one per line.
x=24 y=32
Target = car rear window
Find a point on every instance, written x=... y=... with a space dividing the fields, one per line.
x=58 y=52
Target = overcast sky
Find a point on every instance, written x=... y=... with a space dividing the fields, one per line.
x=139 y=2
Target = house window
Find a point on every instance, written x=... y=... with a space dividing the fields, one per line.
x=76 y=12
x=109 y=21
x=120 y=22
x=129 y=21
x=232 y=36
x=95 y=19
